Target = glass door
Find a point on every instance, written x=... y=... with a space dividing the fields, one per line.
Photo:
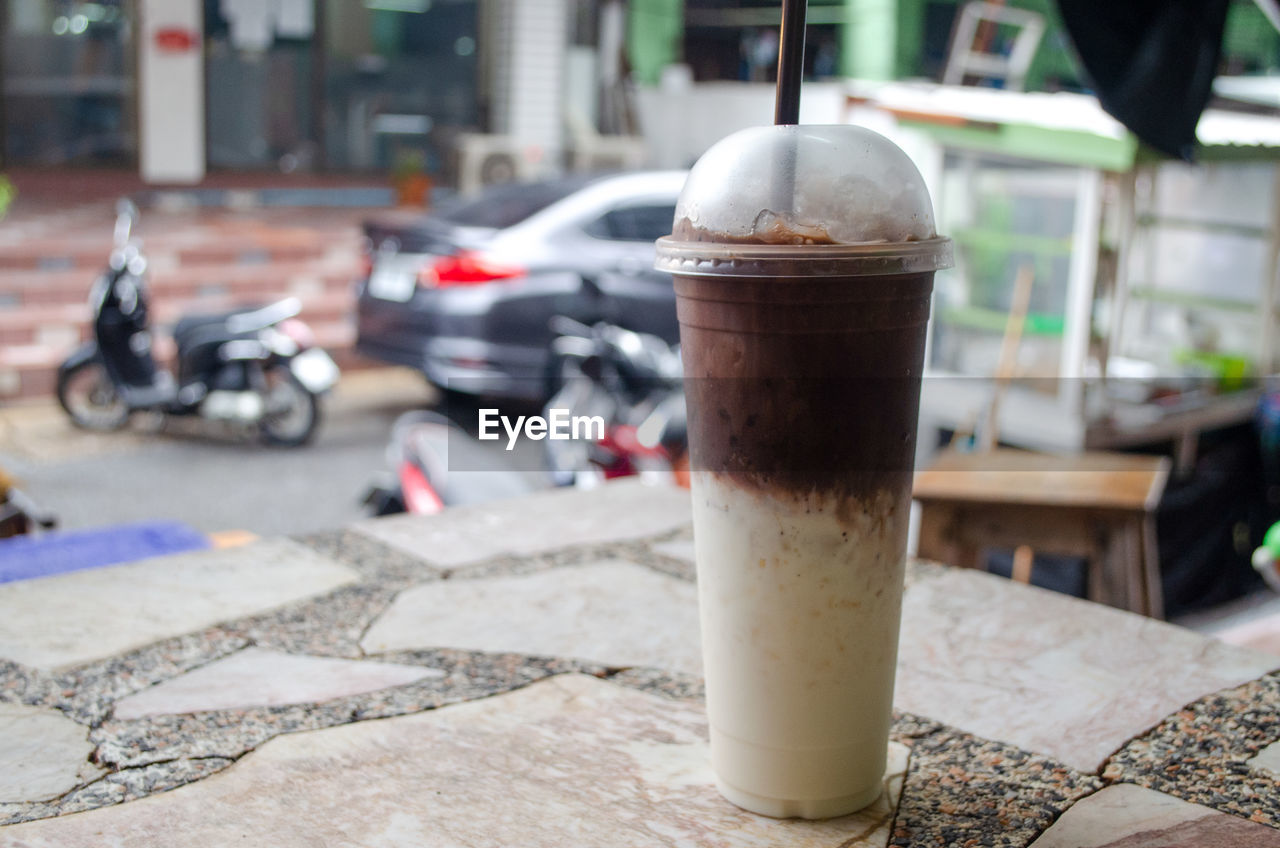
x=259 y=62
x=400 y=82
x=68 y=75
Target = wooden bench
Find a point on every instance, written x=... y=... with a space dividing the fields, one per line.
x=1098 y=506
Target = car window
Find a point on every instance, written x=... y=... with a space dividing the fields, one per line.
x=634 y=223
x=507 y=205
x=599 y=228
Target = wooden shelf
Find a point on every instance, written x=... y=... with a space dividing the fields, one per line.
x=994 y=320
x=1010 y=242
x=1194 y=301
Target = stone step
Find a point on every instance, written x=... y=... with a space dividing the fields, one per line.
x=28 y=368
x=199 y=260
x=30 y=371
x=229 y=247
x=254 y=282
x=69 y=323
x=166 y=269
x=332 y=334
x=42 y=323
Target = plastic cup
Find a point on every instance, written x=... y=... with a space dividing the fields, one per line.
x=802 y=326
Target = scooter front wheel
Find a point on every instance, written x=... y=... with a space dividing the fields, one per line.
x=292 y=411
x=87 y=394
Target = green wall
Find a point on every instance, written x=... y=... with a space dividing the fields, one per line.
x=654 y=32
x=884 y=39
x=871 y=32
x=1053 y=65
x=1251 y=44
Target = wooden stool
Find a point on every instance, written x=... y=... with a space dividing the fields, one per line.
x=1099 y=506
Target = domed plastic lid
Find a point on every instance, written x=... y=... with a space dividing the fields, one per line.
x=826 y=199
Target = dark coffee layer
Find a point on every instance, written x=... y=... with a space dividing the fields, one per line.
x=801 y=385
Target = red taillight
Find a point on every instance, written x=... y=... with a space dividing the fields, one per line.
x=465 y=269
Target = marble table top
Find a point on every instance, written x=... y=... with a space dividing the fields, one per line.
x=528 y=672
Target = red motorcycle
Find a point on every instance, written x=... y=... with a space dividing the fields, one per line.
x=633 y=382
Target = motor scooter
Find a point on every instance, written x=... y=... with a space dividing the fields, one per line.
x=629 y=380
x=634 y=381
x=254 y=367
x=433 y=463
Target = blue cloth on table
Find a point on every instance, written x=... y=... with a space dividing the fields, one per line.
x=24 y=557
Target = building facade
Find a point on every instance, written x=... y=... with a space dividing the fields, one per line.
x=176 y=88
x=874 y=39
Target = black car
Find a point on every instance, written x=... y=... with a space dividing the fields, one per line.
x=466 y=294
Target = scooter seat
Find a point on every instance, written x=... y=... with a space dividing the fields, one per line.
x=188 y=325
x=246 y=319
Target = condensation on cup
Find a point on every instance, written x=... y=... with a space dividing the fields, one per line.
x=803 y=260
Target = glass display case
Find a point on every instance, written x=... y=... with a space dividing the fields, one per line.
x=1200 y=270
x=1012 y=216
x=1152 y=307
x=1004 y=216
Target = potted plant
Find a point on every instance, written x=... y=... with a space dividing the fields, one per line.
x=7 y=194
x=411 y=180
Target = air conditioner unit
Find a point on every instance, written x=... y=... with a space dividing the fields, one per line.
x=591 y=151
x=485 y=160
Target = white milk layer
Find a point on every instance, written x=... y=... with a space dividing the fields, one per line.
x=800 y=610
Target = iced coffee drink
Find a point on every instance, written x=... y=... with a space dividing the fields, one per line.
x=803 y=260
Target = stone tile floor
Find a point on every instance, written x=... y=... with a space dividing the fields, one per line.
x=1252 y=621
x=534 y=668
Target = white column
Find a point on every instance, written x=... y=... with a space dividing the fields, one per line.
x=1081 y=274
x=1270 y=286
x=171 y=90
x=528 y=76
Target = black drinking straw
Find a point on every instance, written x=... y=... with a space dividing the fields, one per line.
x=786 y=107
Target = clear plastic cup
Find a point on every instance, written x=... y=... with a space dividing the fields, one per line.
x=803 y=260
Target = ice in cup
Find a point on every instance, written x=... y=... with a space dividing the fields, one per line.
x=803 y=260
